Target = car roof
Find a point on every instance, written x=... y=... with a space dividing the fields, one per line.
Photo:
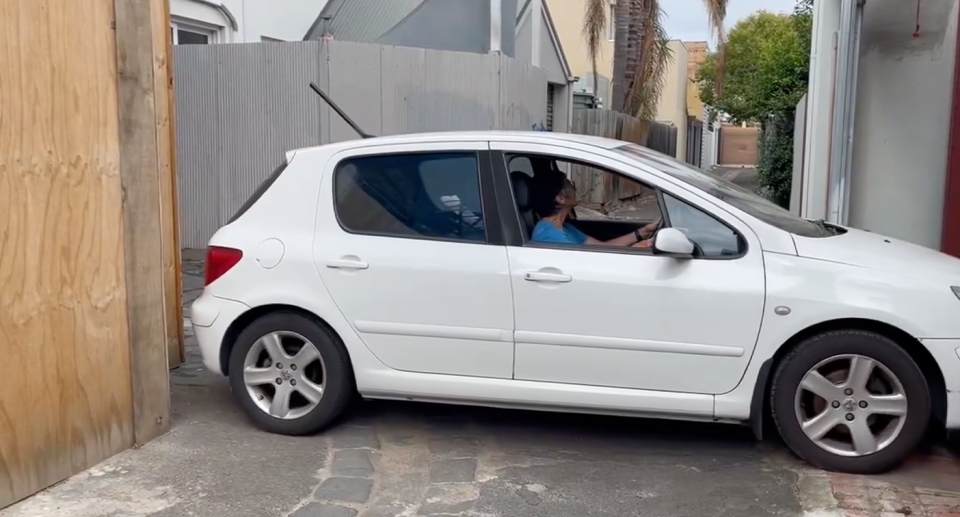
x=459 y=136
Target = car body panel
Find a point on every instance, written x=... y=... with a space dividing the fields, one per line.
x=638 y=320
x=866 y=278
x=420 y=305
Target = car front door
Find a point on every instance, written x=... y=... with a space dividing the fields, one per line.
x=622 y=317
x=409 y=247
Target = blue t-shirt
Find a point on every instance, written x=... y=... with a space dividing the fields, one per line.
x=548 y=232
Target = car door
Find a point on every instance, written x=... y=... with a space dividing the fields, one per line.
x=627 y=318
x=407 y=243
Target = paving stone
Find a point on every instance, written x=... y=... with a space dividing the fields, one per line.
x=449 y=500
x=354 y=437
x=348 y=490
x=453 y=471
x=455 y=446
x=352 y=463
x=324 y=510
x=392 y=509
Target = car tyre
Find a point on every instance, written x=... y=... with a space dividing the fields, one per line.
x=338 y=383
x=787 y=411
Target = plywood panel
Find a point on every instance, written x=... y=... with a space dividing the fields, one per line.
x=65 y=384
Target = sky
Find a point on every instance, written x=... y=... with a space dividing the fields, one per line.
x=687 y=19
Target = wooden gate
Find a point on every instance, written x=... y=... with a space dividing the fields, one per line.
x=694 y=142
x=738 y=145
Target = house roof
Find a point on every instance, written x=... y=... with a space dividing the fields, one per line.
x=360 y=20
x=523 y=10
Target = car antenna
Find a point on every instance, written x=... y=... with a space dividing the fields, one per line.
x=348 y=120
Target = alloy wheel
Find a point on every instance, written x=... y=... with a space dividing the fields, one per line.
x=851 y=405
x=284 y=375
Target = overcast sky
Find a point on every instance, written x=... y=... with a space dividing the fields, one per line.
x=687 y=19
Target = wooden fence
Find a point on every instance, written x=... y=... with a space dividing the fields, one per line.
x=739 y=146
x=88 y=266
x=599 y=187
x=694 y=142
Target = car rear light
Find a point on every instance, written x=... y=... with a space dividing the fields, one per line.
x=219 y=261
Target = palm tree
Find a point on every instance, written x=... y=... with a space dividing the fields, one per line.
x=641 y=53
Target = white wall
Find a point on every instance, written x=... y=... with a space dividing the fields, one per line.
x=286 y=20
x=904 y=95
x=903 y=101
x=672 y=106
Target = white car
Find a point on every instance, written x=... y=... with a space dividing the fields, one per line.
x=401 y=268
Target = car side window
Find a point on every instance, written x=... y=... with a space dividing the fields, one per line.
x=714 y=238
x=423 y=195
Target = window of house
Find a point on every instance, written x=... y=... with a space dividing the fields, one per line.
x=434 y=196
x=612 y=22
x=714 y=238
x=186 y=34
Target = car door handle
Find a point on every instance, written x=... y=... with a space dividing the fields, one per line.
x=540 y=276
x=345 y=263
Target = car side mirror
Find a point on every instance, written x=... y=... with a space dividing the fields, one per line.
x=671 y=242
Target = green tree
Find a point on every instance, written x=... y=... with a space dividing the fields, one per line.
x=766 y=67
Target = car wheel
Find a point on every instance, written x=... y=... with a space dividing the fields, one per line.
x=291 y=375
x=850 y=401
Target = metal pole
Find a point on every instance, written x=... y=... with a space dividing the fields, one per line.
x=496 y=37
x=841 y=154
x=851 y=114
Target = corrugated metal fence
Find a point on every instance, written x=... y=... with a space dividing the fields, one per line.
x=239 y=107
x=597 y=186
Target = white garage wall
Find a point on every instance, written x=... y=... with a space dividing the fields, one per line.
x=904 y=95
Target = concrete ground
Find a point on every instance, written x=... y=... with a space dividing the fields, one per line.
x=391 y=459
x=745 y=177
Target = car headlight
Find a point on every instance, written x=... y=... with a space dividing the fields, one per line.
x=956 y=290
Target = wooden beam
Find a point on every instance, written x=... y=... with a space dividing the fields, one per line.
x=163 y=86
x=143 y=171
x=175 y=193
x=950 y=235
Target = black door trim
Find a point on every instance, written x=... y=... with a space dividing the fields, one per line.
x=509 y=217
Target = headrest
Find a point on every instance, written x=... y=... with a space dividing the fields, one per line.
x=521 y=189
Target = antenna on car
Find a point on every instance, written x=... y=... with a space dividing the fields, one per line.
x=348 y=120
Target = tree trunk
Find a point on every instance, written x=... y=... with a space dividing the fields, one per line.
x=621 y=54
x=627 y=56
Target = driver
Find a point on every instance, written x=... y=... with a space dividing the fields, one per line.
x=554 y=197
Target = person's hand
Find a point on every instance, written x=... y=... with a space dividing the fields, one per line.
x=649 y=229
x=644 y=244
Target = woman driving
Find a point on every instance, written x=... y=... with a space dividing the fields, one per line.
x=554 y=196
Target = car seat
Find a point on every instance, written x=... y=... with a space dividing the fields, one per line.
x=521 y=191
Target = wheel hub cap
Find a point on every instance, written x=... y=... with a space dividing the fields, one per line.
x=849 y=405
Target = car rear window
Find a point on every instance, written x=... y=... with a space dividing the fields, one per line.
x=260 y=190
x=421 y=195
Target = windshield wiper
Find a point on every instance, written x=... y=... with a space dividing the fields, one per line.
x=822 y=226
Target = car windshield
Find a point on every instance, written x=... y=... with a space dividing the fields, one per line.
x=730 y=193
